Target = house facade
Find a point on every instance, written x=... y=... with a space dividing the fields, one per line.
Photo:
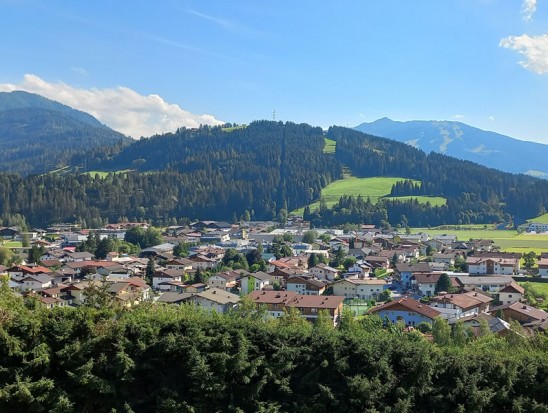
x=366 y=289
x=406 y=310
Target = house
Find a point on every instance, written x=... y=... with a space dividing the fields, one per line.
x=406 y=310
x=448 y=258
x=78 y=256
x=35 y=282
x=311 y=305
x=377 y=262
x=203 y=262
x=305 y=285
x=171 y=297
x=537 y=227
x=165 y=276
x=324 y=272
x=129 y=291
x=254 y=282
x=226 y=280
x=519 y=312
x=492 y=265
x=361 y=269
x=277 y=303
x=511 y=293
x=425 y=283
x=496 y=325
x=491 y=283
x=455 y=306
x=215 y=299
x=180 y=264
x=366 y=289
x=543 y=267
x=407 y=270
x=273 y=301
x=8 y=232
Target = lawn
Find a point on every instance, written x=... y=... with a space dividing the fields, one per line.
x=542 y=219
x=11 y=244
x=357 y=306
x=330 y=146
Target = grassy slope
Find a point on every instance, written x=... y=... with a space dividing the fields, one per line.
x=330 y=146
x=543 y=219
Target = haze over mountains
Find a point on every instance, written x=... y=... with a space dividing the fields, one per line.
x=466 y=142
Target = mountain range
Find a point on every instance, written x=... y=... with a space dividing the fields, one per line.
x=466 y=142
x=38 y=134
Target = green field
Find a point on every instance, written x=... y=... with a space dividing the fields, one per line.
x=11 y=244
x=434 y=200
x=507 y=240
x=374 y=188
x=330 y=146
x=233 y=128
x=543 y=219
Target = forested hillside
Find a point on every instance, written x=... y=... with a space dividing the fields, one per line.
x=38 y=135
x=475 y=194
x=181 y=359
x=265 y=169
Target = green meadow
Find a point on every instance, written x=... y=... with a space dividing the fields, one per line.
x=374 y=188
x=507 y=240
x=330 y=146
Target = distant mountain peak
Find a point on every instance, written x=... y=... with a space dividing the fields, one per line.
x=465 y=142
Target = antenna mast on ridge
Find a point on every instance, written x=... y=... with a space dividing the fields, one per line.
x=274 y=115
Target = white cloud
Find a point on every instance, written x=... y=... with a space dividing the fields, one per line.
x=528 y=8
x=458 y=116
x=534 y=48
x=491 y=118
x=121 y=108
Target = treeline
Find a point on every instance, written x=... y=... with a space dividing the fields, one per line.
x=466 y=209
x=265 y=169
x=473 y=192
x=181 y=359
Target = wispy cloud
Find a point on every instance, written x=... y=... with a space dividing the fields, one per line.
x=528 y=9
x=121 y=108
x=534 y=48
x=491 y=118
x=458 y=117
x=225 y=24
x=80 y=71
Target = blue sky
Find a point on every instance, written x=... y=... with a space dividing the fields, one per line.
x=144 y=67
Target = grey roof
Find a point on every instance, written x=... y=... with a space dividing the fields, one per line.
x=487 y=280
x=174 y=297
x=219 y=296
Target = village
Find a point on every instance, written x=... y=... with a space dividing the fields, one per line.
x=410 y=279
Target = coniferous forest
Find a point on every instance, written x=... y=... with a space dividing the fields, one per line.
x=266 y=170
x=166 y=358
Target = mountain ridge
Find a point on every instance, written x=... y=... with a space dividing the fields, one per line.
x=465 y=142
x=38 y=134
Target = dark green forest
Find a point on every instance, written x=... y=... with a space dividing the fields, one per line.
x=265 y=170
x=180 y=359
x=475 y=194
x=38 y=135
